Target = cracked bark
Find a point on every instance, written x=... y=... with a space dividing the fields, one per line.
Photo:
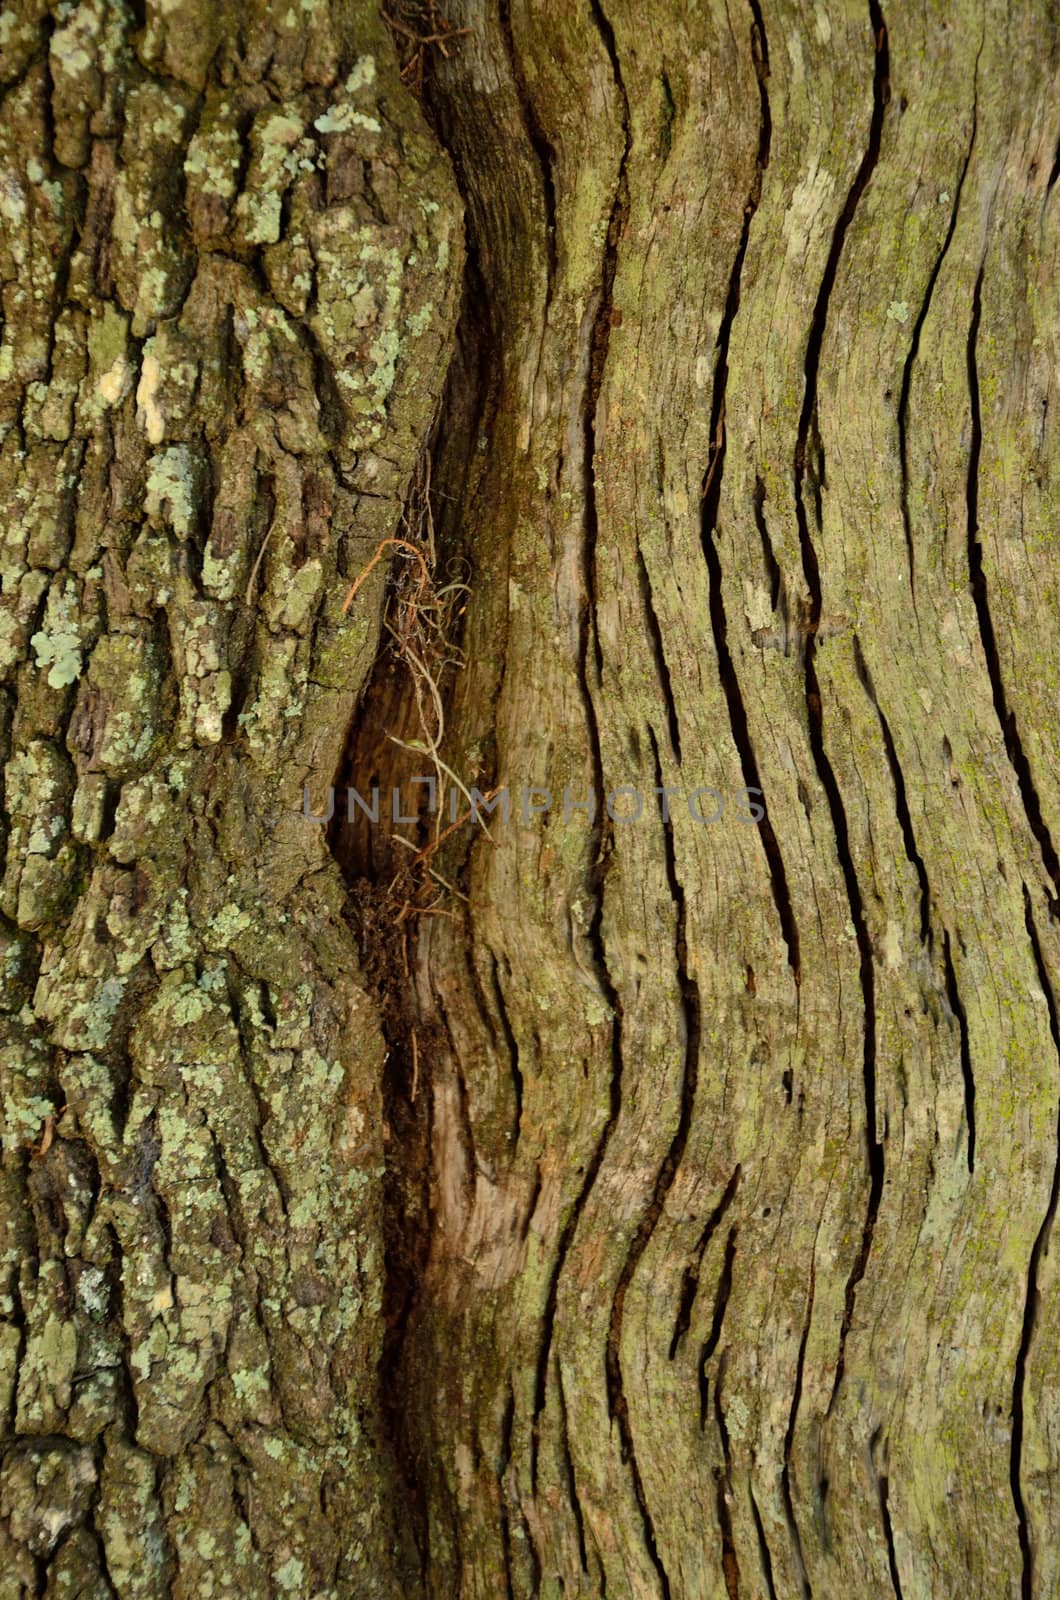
x=669 y=1213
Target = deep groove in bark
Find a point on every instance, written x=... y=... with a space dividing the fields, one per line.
x=469 y=397
x=567 y=1234
x=650 y=1543
x=507 y=1426
x=721 y=1301
x=914 y=342
x=690 y=1281
x=407 y=1210
x=901 y=799
x=729 y=1565
x=789 y=1438
x=1055 y=171
x=763 y=1546
x=542 y=148
x=658 y=651
x=815 y=718
x=777 y=592
x=953 y=995
x=1007 y=718
x=568 y=1461
x=888 y=1533
x=513 y=1051
x=710 y=501
x=599 y=343
x=692 y=1017
x=600 y=840
x=691 y=1010
x=1031 y=1305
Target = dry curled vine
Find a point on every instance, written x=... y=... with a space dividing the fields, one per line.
x=418 y=29
x=420 y=617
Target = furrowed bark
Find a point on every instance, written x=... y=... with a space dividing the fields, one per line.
x=231 y=266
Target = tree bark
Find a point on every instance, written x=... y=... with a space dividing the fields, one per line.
x=654 y=1207
x=231 y=266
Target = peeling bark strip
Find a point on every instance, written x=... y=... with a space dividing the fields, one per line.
x=389 y=1210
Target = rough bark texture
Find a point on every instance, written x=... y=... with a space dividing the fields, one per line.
x=666 y=1210
x=231 y=264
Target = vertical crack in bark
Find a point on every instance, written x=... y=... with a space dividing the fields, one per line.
x=690 y=1282
x=763 y=1546
x=914 y=343
x=465 y=1125
x=468 y=404
x=541 y=145
x=601 y=841
x=888 y=1533
x=600 y=342
x=570 y=1227
x=777 y=590
x=1055 y=172
x=1031 y=1305
x=568 y=1461
x=883 y=1493
x=691 y=1010
x=710 y=500
x=513 y=1051
x=662 y=670
x=789 y=1438
x=916 y=860
x=901 y=799
x=710 y=1344
x=692 y=1021
x=815 y=717
x=1006 y=717
x=729 y=1565
x=957 y=1007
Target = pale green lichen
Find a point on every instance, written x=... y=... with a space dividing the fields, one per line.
x=290 y=1575
x=172 y=489
x=71 y=46
x=61 y=653
x=279 y=148
x=340 y=119
x=90 y=1019
x=363 y=74
x=218 y=577
x=24 y=1118
x=417 y=322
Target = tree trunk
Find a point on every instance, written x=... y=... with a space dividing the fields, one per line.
x=587 y=1200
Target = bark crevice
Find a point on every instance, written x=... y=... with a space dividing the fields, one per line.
x=710 y=501
x=1031 y=1306
x=717 y=1321
x=914 y=341
x=814 y=709
x=1006 y=717
x=690 y=1280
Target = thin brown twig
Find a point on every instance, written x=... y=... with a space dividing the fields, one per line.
x=719 y=435
x=382 y=545
x=425 y=38
x=429 y=849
